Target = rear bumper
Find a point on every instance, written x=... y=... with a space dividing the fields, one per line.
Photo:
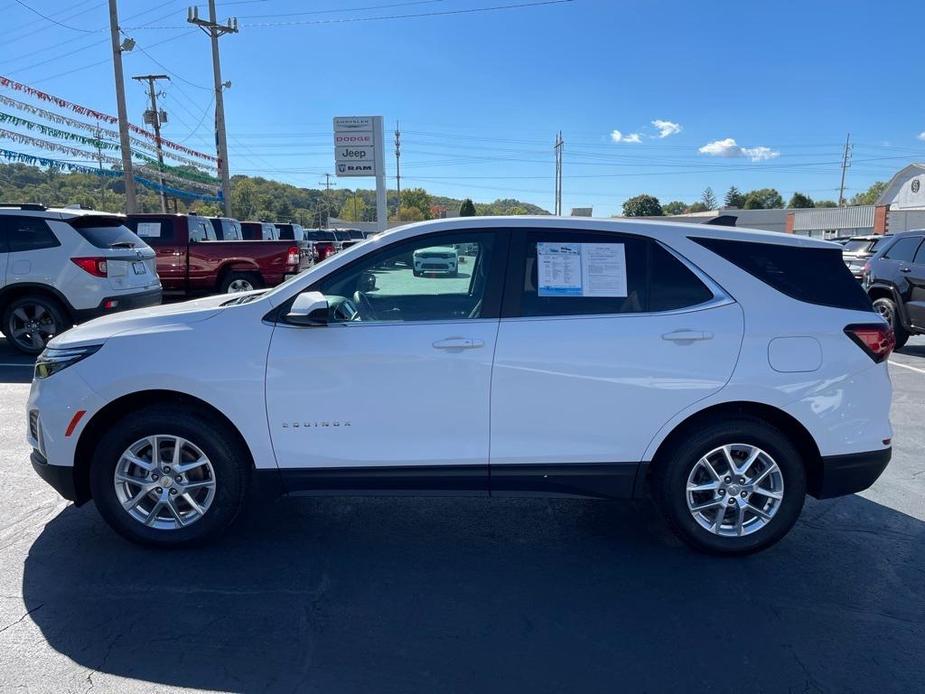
x=847 y=474
x=123 y=302
x=60 y=478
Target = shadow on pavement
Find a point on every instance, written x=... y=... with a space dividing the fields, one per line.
x=476 y=595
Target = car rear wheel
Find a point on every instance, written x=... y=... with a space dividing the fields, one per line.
x=169 y=476
x=235 y=282
x=888 y=309
x=732 y=488
x=29 y=322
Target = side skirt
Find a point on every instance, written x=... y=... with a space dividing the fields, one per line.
x=580 y=480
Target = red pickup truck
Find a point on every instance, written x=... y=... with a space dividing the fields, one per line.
x=191 y=260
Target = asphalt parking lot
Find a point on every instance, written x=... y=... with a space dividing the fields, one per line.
x=467 y=595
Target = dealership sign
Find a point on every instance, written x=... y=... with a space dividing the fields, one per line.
x=355 y=146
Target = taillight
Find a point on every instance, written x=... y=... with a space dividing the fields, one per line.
x=293 y=256
x=876 y=339
x=95 y=266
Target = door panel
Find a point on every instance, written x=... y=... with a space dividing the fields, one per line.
x=597 y=389
x=386 y=394
x=915 y=306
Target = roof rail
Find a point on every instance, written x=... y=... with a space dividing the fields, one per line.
x=34 y=206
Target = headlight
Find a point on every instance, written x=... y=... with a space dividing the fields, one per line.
x=51 y=361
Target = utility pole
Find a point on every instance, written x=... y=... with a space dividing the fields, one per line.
x=214 y=30
x=124 y=143
x=99 y=154
x=397 y=168
x=558 y=148
x=154 y=118
x=327 y=203
x=846 y=158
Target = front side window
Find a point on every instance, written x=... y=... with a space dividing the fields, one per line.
x=438 y=277
x=26 y=233
x=569 y=273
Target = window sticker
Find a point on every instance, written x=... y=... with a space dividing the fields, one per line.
x=149 y=229
x=581 y=269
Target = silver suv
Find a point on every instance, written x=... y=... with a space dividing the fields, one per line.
x=64 y=266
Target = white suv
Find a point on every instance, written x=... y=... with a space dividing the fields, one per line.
x=727 y=371
x=64 y=266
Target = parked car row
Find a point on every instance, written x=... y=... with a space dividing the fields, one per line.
x=63 y=266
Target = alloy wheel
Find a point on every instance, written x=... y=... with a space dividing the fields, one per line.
x=32 y=326
x=165 y=482
x=735 y=490
x=885 y=311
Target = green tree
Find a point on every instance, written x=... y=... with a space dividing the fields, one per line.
x=674 y=207
x=642 y=206
x=800 y=201
x=244 y=199
x=409 y=214
x=763 y=199
x=709 y=199
x=353 y=209
x=869 y=196
x=417 y=198
x=698 y=207
x=826 y=203
x=467 y=209
x=734 y=198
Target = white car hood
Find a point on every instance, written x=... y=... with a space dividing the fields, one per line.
x=161 y=318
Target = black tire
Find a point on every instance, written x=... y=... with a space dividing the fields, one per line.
x=229 y=462
x=48 y=312
x=416 y=273
x=888 y=309
x=232 y=282
x=672 y=470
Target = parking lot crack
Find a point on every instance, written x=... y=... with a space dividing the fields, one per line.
x=12 y=624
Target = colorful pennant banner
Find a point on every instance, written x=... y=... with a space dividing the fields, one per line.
x=10 y=155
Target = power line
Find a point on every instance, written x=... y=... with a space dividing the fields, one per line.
x=443 y=13
x=341 y=9
x=55 y=21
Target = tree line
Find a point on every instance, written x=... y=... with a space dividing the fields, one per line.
x=646 y=205
x=252 y=198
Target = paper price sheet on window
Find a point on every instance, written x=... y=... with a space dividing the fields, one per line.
x=581 y=269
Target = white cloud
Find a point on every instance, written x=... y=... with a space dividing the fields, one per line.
x=632 y=138
x=729 y=148
x=666 y=127
x=920 y=136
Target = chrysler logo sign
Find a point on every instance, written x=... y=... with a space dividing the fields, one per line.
x=916 y=184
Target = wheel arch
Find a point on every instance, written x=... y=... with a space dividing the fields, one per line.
x=786 y=423
x=888 y=291
x=20 y=289
x=118 y=408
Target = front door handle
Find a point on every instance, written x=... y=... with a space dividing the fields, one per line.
x=457 y=343
x=905 y=269
x=687 y=336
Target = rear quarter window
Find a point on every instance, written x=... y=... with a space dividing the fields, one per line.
x=813 y=275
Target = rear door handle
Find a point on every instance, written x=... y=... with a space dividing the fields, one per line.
x=905 y=269
x=687 y=336
x=457 y=343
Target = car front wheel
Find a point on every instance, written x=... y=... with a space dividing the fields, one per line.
x=732 y=488
x=169 y=476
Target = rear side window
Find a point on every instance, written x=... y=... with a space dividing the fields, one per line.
x=26 y=233
x=103 y=232
x=920 y=255
x=903 y=249
x=582 y=273
x=814 y=275
x=154 y=232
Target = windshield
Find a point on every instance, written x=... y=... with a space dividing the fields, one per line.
x=856 y=245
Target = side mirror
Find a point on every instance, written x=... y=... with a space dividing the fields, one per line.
x=309 y=308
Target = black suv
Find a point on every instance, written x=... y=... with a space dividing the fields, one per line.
x=894 y=278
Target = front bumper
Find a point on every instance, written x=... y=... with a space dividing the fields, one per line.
x=123 y=302
x=847 y=474
x=60 y=477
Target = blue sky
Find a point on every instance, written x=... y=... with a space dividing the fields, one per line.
x=749 y=94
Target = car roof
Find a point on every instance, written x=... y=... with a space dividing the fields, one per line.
x=648 y=227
